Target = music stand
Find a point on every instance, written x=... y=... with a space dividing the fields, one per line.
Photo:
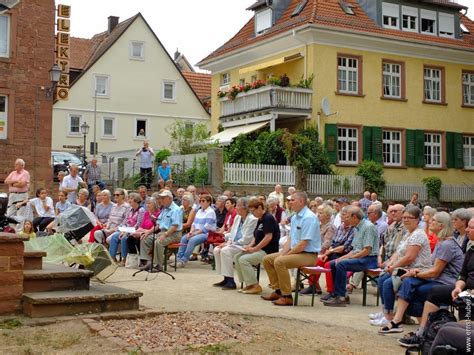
x=153 y=269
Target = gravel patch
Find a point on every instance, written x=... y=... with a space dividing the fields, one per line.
x=181 y=330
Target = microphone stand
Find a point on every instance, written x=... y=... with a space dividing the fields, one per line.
x=153 y=269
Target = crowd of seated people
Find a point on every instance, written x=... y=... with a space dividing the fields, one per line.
x=424 y=255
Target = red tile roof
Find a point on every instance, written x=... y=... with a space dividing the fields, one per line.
x=328 y=13
x=81 y=49
x=200 y=82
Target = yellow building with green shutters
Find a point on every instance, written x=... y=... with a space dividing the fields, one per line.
x=393 y=81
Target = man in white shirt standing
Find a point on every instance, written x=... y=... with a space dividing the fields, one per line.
x=71 y=183
x=146 y=163
x=278 y=193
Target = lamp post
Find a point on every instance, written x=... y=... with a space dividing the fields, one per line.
x=84 y=130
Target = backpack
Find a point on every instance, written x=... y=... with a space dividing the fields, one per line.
x=435 y=321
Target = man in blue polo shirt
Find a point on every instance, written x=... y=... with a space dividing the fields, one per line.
x=164 y=174
x=169 y=224
x=301 y=249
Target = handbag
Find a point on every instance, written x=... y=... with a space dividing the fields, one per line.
x=215 y=238
x=132 y=261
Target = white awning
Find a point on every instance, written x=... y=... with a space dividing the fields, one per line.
x=226 y=136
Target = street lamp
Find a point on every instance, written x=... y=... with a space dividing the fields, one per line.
x=84 y=130
x=54 y=76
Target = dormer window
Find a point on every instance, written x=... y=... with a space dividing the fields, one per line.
x=409 y=19
x=428 y=22
x=263 y=21
x=446 y=25
x=391 y=15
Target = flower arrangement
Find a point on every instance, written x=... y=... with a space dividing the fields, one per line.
x=282 y=81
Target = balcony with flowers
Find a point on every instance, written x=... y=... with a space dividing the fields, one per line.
x=274 y=96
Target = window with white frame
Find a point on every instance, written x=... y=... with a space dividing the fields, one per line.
x=263 y=21
x=428 y=22
x=446 y=25
x=347 y=145
x=392 y=148
x=3 y=116
x=101 y=85
x=242 y=82
x=390 y=15
x=225 y=79
x=432 y=84
x=4 y=36
x=409 y=19
x=108 y=127
x=253 y=79
x=348 y=75
x=140 y=128
x=468 y=152
x=433 y=150
x=137 y=50
x=74 y=126
x=468 y=89
x=169 y=90
x=392 y=80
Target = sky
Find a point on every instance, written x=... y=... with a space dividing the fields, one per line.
x=194 y=27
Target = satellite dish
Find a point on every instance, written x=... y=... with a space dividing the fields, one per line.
x=326 y=106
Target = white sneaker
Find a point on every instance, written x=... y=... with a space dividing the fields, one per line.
x=180 y=264
x=379 y=322
x=377 y=315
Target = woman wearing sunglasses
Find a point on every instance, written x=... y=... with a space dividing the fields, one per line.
x=204 y=222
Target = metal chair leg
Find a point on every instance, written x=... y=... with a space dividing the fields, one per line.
x=297 y=287
x=364 y=289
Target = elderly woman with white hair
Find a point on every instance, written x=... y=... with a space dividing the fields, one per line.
x=241 y=235
x=447 y=260
x=460 y=218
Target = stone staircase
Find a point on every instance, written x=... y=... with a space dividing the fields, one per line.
x=51 y=290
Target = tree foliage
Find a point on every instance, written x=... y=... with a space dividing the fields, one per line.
x=188 y=138
x=372 y=172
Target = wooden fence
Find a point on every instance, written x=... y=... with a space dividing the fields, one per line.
x=403 y=192
x=335 y=184
x=259 y=174
x=457 y=193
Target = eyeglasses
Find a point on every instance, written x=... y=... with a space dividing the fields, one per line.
x=117 y=194
x=202 y=200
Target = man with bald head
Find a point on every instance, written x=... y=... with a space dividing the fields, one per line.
x=278 y=193
x=392 y=237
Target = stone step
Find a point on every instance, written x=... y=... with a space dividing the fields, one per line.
x=98 y=299
x=55 y=278
x=33 y=260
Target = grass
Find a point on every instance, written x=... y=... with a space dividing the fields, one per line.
x=10 y=324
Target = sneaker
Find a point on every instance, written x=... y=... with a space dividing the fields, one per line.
x=411 y=340
x=379 y=322
x=377 y=315
x=180 y=264
x=326 y=297
x=230 y=285
x=307 y=291
x=336 y=302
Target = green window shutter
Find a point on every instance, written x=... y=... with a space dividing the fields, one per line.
x=330 y=141
x=377 y=144
x=410 y=147
x=367 y=142
x=450 y=150
x=458 y=151
x=419 y=148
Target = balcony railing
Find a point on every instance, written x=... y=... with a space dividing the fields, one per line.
x=267 y=97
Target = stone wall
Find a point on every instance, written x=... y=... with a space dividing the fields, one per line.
x=23 y=77
x=11 y=272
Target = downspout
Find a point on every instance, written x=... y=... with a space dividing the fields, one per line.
x=295 y=36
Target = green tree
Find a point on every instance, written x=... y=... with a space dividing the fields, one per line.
x=189 y=138
x=372 y=172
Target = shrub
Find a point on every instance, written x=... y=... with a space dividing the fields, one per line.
x=161 y=155
x=433 y=186
x=372 y=172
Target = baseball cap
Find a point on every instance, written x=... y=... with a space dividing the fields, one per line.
x=165 y=193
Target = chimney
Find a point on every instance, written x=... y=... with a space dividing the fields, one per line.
x=113 y=22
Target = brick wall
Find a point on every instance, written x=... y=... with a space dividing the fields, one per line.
x=11 y=272
x=21 y=77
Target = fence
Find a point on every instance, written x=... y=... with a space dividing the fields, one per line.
x=403 y=192
x=259 y=174
x=457 y=193
x=335 y=184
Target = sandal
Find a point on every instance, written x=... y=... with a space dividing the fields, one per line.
x=392 y=327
